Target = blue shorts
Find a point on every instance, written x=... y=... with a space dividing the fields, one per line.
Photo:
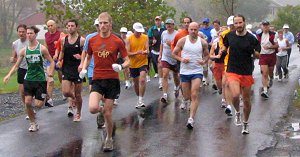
x=189 y=78
x=55 y=67
x=135 y=72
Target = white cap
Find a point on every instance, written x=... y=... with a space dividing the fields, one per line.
x=230 y=20
x=138 y=27
x=285 y=26
x=249 y=26
x=96 y=22
x=123 y=30
x=129 y=33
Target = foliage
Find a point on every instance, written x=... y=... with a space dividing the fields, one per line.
x=123 y=12
x=288 y=15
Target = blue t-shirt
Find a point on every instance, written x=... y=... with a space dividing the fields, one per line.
x=85 y=48
x=206 y=31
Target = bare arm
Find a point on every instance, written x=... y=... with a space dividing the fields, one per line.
x=178 y=48
x=14 y=56
x=133 y=53
x=15 y=67
x=47 y=56
x=205 y=55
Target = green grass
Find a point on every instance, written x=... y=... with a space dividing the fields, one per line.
x=11 y=86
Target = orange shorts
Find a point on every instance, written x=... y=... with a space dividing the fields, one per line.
x=218 y=71
x=244 y=80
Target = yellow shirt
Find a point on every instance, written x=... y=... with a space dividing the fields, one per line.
x=221 y=44
x=137 y=44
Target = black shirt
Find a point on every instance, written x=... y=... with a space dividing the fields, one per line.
x=241 y=52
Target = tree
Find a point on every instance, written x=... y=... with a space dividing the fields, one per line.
x=10 y=10
x=288 y=15
x=124 y=12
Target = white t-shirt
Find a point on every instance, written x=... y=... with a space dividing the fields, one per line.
x=266 y=42
x=282 y=44
x=17 y=46
x=167 y=53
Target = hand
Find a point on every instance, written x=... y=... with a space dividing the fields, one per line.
x=6 y=79
x=159 y=58
x=116 y=67
x=77 y=56
x=82 y=73
x=185 y=60
x=266 y=47
x=55 y=57
x=168 y=42
x=59 y=64
x=80 y=67
x=12 y=60
x=201 y=62
x=50 y=79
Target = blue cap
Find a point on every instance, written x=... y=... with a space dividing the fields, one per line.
x=205 y=20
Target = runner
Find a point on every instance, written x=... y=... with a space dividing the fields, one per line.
x=290 y=37
x=154 y=35
x=35 y=81
x=166 y=60
x=194 y=54
x=281 y=60
x=51 y=38
x=71 y=55
x=242 y=46
x=104 y=48
x=267 y=58
x=137 y=48
x=123 y=32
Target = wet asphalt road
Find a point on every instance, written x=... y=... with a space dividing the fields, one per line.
x=157 y=130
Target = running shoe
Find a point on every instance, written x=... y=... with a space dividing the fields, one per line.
x=245 y=129
x=116 y=102
x=49 y=103
x=100 y=120
x=160 y=86
x=214 y=86
x=108 y=145
x=183 y=105
x=70 y=112
x=164 y=99
x=127 y=85
x=156 y=75
x=264 y=94
x=223 y=103
x=140 y=104
x=228 y=111
x=190 y=123
x=64 y=98
x=286 y=76
x=237 y=119
x=33 y=127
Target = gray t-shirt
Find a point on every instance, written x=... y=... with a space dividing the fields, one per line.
x=17 y=46
x=167 y=53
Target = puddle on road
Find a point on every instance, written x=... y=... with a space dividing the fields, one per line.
x=292 y=131
x=69 y=150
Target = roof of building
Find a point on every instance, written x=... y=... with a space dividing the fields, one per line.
x=33 y=19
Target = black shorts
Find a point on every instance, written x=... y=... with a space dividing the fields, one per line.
x=109 y=88
x=21 y=75
x=73 y=79
x=36 y=89
x=135 y=72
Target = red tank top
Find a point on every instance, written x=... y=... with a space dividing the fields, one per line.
x=51 y=40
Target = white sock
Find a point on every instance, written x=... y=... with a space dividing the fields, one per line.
x=160 y=80
x=165 y=94
x=265 y=89
x=127 y=81
x=140 y=99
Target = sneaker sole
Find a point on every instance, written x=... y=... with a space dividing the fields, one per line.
x=70 y=114
x=189 y=126
x=245 y=132
x=163 y=100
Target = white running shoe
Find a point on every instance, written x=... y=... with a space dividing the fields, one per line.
x=70 y=112
x=245 y=129
x=108 y=145
x=116 y=102
x=127 y=84
x=156 y=75
x=237 y=119
x=228 y=111
x=33 y=127
x=140 y=104
x=49 y=103
x=160 y=86
x=164 y=99
x=190 y=123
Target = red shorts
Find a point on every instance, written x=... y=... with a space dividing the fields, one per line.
x=244 y=80
x=267 y=59
x=218 y=71
x=167 y=65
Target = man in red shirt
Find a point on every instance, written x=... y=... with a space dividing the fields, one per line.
x=105 y=48
x=51 y=38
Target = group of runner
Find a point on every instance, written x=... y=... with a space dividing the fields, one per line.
x=228 y=51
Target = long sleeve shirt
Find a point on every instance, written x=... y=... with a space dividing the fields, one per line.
x=290 y=37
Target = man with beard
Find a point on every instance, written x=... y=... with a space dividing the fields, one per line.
x=242 y=46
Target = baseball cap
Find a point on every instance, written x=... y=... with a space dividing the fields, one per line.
x=265 y=23
x=286 y=26
x=205 y=20
x=230 y=20
x=157 y=17
x=96 y=22
x=123 y=30
x=249 y=26
x=169 y=21
x=138 y=27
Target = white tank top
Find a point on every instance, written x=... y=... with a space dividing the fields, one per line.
x=192 y=51
x=18 y=45
x=282 y=44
